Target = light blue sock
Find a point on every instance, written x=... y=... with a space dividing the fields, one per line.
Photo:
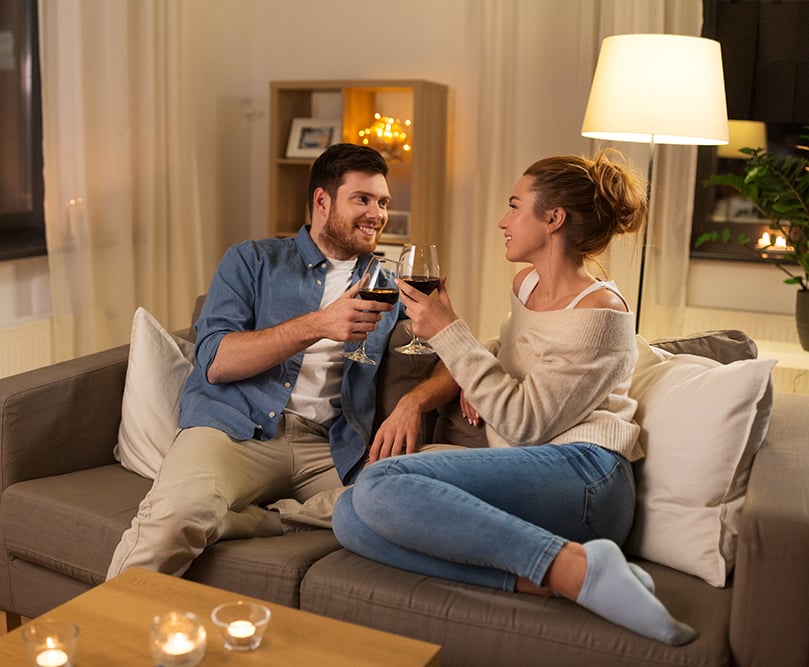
x=643 y=577
x=613 y=591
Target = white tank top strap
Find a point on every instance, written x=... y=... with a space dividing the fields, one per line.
x=599 y=284
x=528 y=284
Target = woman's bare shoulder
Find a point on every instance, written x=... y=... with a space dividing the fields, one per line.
x=603 y=298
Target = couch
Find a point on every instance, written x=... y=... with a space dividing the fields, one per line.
x=66 y=500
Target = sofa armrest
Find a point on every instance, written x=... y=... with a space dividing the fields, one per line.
x=61 y=418
x=770 y=611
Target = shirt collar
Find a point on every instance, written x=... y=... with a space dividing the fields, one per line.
x=313 y=256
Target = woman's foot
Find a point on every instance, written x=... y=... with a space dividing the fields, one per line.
x=613 y=590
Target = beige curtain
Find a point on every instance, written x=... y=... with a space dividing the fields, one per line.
x=536 y=61
x=121 y=202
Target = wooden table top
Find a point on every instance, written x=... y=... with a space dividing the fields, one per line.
x=114 y=620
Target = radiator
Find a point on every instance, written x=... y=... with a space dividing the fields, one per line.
x=24 y=345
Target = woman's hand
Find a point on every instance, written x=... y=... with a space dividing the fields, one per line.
x=470 y=414
x=428 y=316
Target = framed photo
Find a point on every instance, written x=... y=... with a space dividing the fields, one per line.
x=398 y=223
x=309 y=137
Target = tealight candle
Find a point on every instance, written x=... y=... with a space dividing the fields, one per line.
x=241 y=624
x=52 y=657
x=178 y=644
x=50 y=642
x=241 y=629
x=178 y=639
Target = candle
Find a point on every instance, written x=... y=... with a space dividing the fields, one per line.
x=178 y=644
x=764 y=240
x=52 y=657
x=241 y=629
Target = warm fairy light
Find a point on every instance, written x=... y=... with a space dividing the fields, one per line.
x=389 y=136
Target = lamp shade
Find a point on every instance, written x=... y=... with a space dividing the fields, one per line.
x=664 y=89
x=743 y=134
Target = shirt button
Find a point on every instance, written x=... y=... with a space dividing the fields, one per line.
x=319 y=282
x=310 y=265
x=287 y=385
x=272 y=415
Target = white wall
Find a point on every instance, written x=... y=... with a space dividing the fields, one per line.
x=242 y=46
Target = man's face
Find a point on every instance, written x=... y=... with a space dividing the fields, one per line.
x=351 y=223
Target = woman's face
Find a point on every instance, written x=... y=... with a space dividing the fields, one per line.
x=526 y=234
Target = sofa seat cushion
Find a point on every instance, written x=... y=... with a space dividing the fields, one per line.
x=72 y=523
x=268 y=568
x=477 y=626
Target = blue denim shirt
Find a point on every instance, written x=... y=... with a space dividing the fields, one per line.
x=260 y=284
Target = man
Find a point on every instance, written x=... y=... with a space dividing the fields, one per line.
x=272 y=410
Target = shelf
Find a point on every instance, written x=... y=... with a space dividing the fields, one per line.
x=417 y=185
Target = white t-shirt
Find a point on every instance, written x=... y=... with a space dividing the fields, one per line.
x=317 y=392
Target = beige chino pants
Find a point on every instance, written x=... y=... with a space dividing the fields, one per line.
x=209 y=486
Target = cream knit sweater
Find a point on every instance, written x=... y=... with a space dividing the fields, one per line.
x=556 y=376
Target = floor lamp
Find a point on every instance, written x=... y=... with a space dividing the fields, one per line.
x=657 y=89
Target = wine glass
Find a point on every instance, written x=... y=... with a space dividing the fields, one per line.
x=378 y=283
x=418 y=266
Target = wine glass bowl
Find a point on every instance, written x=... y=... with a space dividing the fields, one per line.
x=418 y=267
x=378 y=283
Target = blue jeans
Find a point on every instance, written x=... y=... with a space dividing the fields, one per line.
x=486 y=516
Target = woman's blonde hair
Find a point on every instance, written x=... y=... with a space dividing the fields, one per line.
x=602 y=197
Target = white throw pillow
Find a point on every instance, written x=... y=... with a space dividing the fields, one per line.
x=159 y=364
x=701 y=424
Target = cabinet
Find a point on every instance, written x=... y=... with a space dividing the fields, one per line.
x=417 y=182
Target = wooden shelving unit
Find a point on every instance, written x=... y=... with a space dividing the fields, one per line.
x=417 y=184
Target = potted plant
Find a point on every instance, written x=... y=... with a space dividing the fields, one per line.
x=778 y=188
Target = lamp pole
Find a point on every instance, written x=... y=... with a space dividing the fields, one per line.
x=647 y=229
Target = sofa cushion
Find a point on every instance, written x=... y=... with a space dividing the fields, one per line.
x=701 y=424
x=398 y=374
x=724 y=346
x=268 y=568
x=80 y=519
x=81 y=516
x=159 y=364
x=482 y=627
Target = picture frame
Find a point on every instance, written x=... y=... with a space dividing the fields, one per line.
x=398 y=224
x=309 y=137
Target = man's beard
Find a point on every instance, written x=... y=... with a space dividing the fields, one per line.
x=341 y=235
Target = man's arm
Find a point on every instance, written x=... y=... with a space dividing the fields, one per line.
x=399 y=432
x=243 y=354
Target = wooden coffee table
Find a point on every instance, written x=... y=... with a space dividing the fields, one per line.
x=114 y=620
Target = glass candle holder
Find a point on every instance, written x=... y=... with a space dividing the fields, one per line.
x=241 y=624
x=177 y=639
x=50 y=643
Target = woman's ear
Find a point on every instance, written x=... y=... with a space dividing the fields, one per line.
x=556 y=218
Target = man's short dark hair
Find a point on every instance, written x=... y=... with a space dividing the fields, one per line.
x=329 y=170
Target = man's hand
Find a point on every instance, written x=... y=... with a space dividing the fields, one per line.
x=243 y=354
x=350 y=319
x=398 y=434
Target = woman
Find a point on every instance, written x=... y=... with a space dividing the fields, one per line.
x=544 y=508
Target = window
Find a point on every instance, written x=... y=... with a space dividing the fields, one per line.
x=22 y=221
x=765 y=55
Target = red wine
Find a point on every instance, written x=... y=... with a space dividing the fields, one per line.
x=422 y=283
x=384 y=295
